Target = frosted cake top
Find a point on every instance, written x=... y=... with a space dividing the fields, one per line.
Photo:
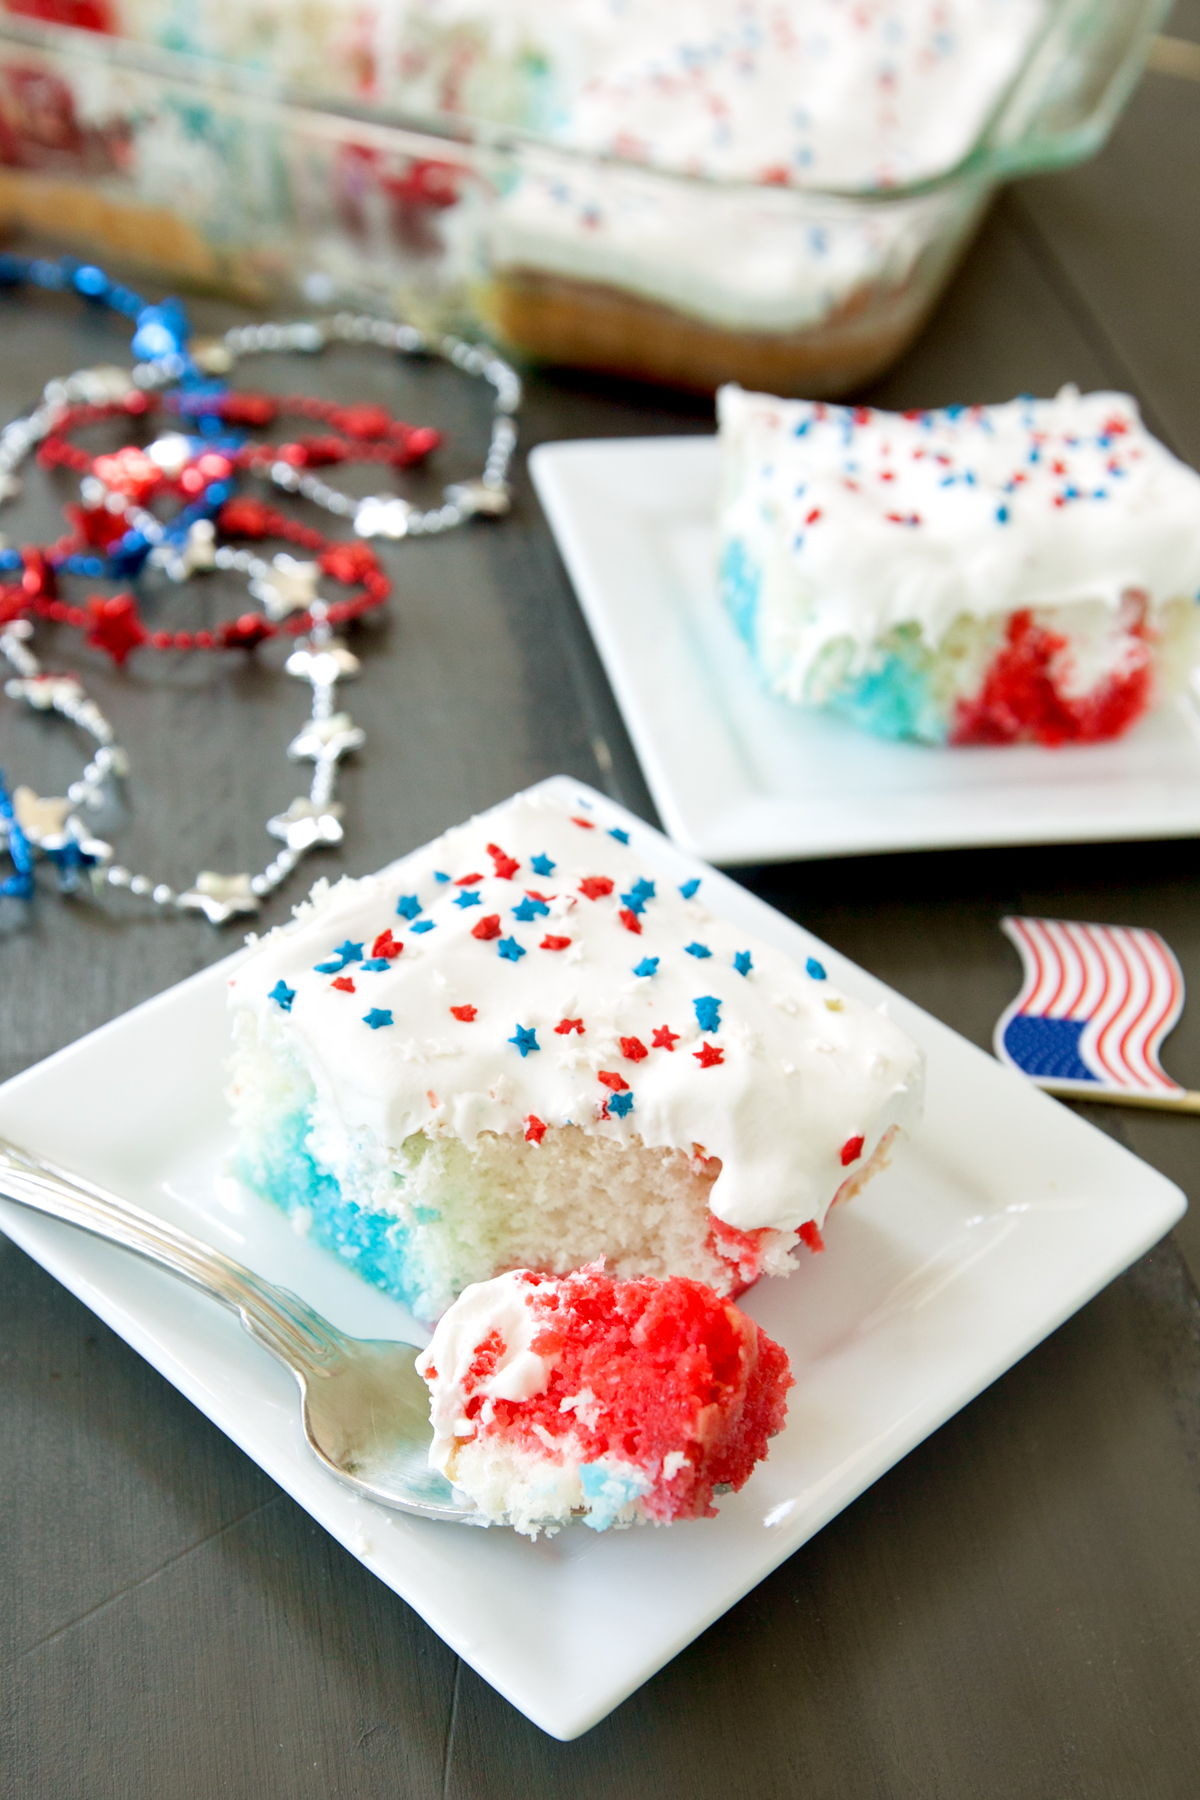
x=858 y=93
x=828 y=92
x=875 y=519
x=528 y=970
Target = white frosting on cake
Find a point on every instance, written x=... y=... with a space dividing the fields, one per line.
x=771 y=1070
x=501 y=1306
x=854 y=521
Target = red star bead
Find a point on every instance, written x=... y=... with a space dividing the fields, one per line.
x=114 y=625
x=245 y=518
x=347 y=563
x=364 y=421
x=246 y=632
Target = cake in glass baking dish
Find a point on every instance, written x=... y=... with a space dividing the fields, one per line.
x=1027 y=572
x=612 y=1402
x=522 y=1047
x=767 y=191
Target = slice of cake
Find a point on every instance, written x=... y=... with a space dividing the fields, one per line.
x=978 y=575
x=619 y=1402
x=524 y=1047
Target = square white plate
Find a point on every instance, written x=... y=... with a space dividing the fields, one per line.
x=1001 y=1218
x=739 y=776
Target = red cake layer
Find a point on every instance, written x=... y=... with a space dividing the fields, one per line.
x=1020 y=701
x=672 y=1367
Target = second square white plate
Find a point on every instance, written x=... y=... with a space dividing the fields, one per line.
x=740 y=777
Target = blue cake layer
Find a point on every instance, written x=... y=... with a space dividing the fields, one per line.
x=893 y=697
x=378 y=1246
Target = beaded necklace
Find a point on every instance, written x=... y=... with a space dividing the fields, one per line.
x=115 y=536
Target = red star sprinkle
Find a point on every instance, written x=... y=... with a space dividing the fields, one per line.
x=634 y=1049
x=664 y=1038
x=506 y=866
x=535 y=1131
x=343 y=984
x=465 y=1013
x=554 y=943
x=544 y=898
x=386 y=945
x=852 y=1149
x=487 y=928
x=566 y=1026
x=708 y=1056
x=594 y=887
x=630 y=921
x=612 y=1080
x=584 y=824
x=114 y=625
x=467 y=880
x=808 y=1234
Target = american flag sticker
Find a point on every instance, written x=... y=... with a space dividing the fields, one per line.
x=1093 y=1010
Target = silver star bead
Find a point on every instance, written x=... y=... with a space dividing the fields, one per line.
x=305 y=824
x=42 y=820
x=105 y=384
x=326 y=740
x=324 y=665
x=172 y=453
x=10 y=487
x=382 y=515
x=479 y=497
x=196 y=555
x=291 y=586
x=212 y=356
x=46 y=693
x=219 y=897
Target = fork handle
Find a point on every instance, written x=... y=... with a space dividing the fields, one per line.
x=280 y=1321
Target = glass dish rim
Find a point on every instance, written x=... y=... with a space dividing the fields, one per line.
x=257 y=90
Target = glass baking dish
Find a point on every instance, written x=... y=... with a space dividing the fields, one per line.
x=221 y=177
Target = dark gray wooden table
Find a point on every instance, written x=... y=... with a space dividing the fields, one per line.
x=1015 y=1609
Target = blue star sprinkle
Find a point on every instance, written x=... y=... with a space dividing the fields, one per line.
x=634 y=901
x=438 y=876
x=378 y=1015
x=742 y=962
x=510 y=950
x=622 y=837
x=283 y=995
x=525 y=1040
x=423 y=925
x=542 y=865
x=529 y=909
x=647 y=966
x=377 y=965
x=344 y=954
x=689 y=887
x=468 y=897
x=644 y=888
x=620 y=1104
x=698 y=950
x=408 y=906
x=815 y=969
x=708 y=1012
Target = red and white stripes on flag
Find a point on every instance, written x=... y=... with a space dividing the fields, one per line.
x=1095 y=1005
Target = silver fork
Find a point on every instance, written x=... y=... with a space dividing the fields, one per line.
x=364 y=1408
